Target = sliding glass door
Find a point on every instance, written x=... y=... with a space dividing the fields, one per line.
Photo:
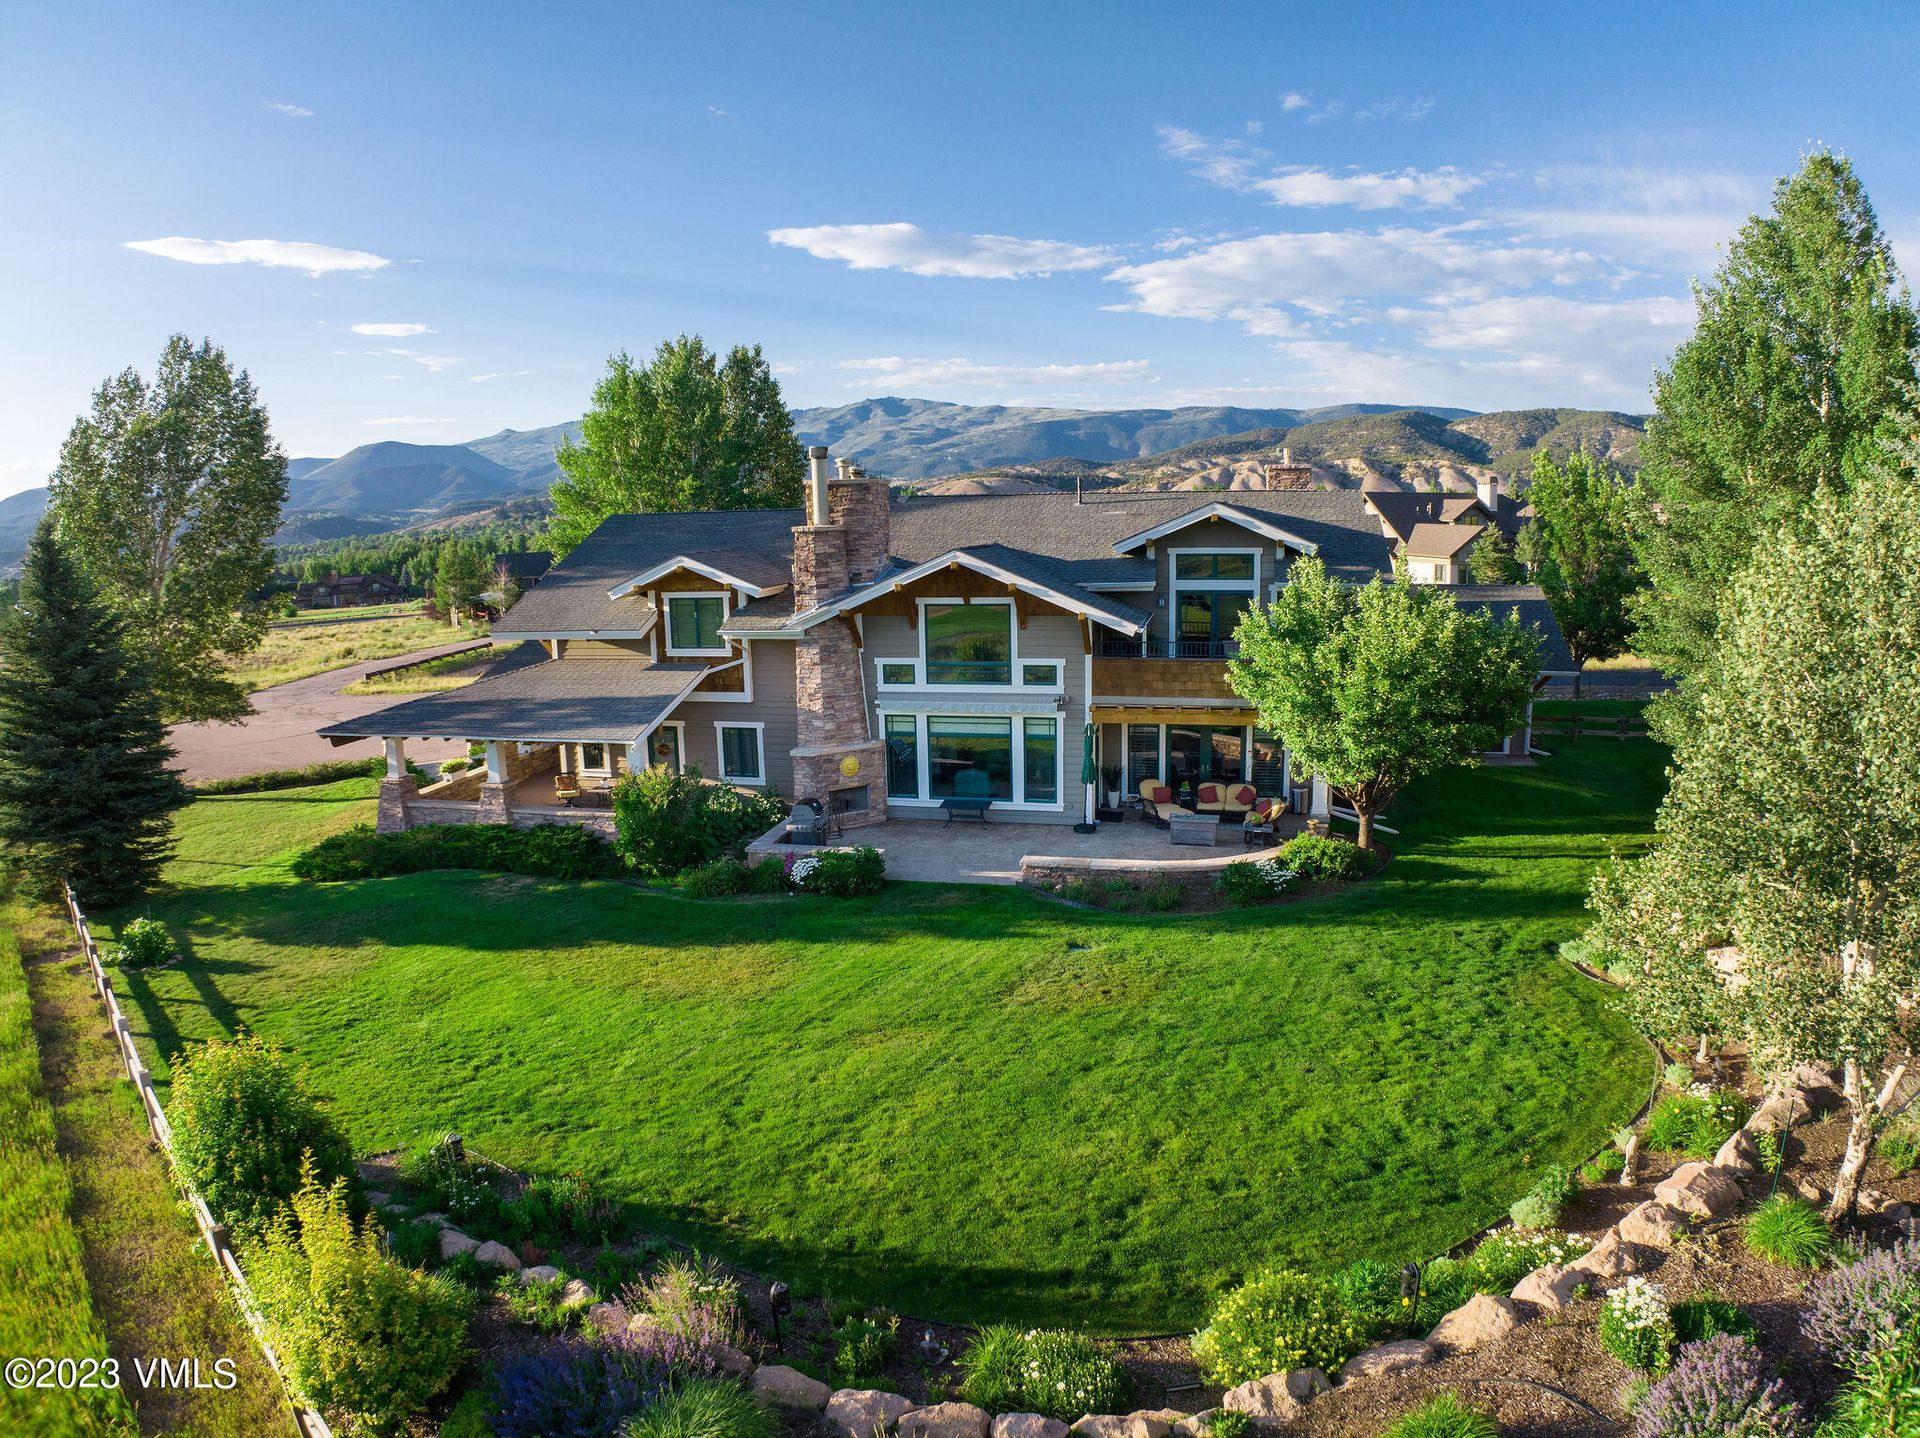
x=1203 y=753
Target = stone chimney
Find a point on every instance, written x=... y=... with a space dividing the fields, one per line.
x=1488 y=489
x=820 y=546
x=858 y=503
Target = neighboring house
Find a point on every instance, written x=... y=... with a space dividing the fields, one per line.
x=344 y=591
x=524 y=569
x=887 y=655
x=1435 y=531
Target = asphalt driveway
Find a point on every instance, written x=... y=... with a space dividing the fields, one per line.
x=280 y=735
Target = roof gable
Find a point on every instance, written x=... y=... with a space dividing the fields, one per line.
x=1231 y=514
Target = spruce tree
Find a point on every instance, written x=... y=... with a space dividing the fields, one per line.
x=85 y=791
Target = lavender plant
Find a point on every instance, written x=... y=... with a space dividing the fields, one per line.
x=1718 y=1388
x=576 y=1389
x=695 y=1310
x=1856 y=1312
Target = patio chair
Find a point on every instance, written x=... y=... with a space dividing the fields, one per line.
x=1239 y=800
x=566 y=789
x=1156 y=799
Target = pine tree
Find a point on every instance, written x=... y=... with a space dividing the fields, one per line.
x=1492 y=561
x=85 y=792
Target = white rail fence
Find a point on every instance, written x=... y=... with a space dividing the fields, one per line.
x=309 y=1423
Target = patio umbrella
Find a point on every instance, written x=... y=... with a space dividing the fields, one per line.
x=1089 y=770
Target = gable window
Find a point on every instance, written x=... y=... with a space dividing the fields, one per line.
x=740 y=758
x=1211 y=591
x=693 y=623
x=969 y=643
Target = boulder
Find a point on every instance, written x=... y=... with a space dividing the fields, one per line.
x=538 y=1273
x=1699 y=1190
x=577 y=1293
x=861 y=1412
x=1482 y=1319
x=1882 y=1205
x=497 y=1255
x=1193 y=1425
x=1028 y=1425
x=1277 y=1398
x=732 y=1360
x=1739 y=1154
x=1779 y=1113
x=1613 y=1257
x=610 y=1317
x=1818 y=1089
x=1653 y=1225
x=377 y=1199
x=790 y=1388
x=438 y=1220
x=1121 y=1425
x=1389 y=1358
x=946 y=1420
x=1802 y=1188
x=1549 y=1288
x=453 y=1241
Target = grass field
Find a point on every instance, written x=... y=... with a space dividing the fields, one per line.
x=45 y=1305
x=969 y=1103
x=307 y=616
x=293 y=651
x=450 y=671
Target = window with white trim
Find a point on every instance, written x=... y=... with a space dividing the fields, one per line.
x=693 y=623
x=968 y=643
x=741 y=760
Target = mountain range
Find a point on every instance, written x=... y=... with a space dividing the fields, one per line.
x=941 y=446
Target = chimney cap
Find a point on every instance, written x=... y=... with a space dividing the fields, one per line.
x=816 y=451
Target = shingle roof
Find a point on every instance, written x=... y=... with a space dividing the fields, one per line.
x=1440 y=541
x=611 y=701
x=1535 y=611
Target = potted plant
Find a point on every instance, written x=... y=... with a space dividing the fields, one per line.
x=1110 y=777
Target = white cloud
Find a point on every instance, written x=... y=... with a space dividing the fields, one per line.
x=1056 y=379
x=432 y=363
x=1667 y=215
x=497 y=374
x=1398 y=108
x=915 y=251
x=315 y=260
x=395 y=332
x=298 y=112
x=1237 y=165
x=401 y=419
x=1271 y=283
x=1294 y=100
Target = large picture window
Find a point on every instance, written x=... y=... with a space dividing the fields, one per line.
x=970 y=756
x=1210 y=594
x=903 y=756
x=969 y=643
x=693 y=624
x=1042 y=761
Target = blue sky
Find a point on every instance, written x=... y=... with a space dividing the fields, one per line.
x=457 y=212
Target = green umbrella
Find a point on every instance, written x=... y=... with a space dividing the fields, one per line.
x=1089 y=771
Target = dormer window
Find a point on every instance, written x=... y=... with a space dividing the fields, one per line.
x=693 y=624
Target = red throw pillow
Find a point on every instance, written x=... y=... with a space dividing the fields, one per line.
x=1160 y=794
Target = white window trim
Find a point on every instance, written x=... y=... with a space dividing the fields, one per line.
x=759 y=728
x=880 y=664
x=1015 y=658
x=725 y=597
x=1176 y=586
x=1018 y=738
x=605 y=770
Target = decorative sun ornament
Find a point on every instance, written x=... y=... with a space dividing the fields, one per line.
x=849 y=766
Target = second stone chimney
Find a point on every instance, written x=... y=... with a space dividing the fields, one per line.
x=819 y=545
x=858 y=503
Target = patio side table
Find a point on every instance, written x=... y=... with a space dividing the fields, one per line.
x=1256 y=835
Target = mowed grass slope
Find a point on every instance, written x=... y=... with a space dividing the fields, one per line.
x=969 y=1103
x=293 y=651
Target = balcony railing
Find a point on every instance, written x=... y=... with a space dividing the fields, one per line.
x=1113 y=646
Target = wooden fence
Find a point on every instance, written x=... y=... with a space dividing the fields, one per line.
x=1594 y=726
x=375 y=673
x=308 y=1423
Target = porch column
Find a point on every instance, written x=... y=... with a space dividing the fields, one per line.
x=1321 y=805
x=496 y=805
x=396 y=790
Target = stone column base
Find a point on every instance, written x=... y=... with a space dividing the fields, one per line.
x=494 y=808
x=391 y=817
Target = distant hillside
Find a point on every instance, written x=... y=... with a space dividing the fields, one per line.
x=1413 y=448
x=19 y=514
x=528 y=452
x=926 y=439
x=391 y=476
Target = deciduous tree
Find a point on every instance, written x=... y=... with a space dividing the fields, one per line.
x=1583 y=552
x=1791 y=836
x=85 y=791
x=1803 y=344
x=168 y=495
x=1373 y=686
x=686 y=432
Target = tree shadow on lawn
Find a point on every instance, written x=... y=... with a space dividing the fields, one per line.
x=136 y=988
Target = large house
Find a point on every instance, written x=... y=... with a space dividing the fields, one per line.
x=344 y=591
x=878 y=655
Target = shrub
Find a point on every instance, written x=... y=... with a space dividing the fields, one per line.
x=1883 y=1398
x=576 y=1389
x=1696 y=1123
x=1372 y=1293
x=1061 y=1375
x=1864 y=1309
x=1678 y=1076
x=1255 y=881
x=329 y=772
x=454 y=766
x=1790 y=1232
x=1229 y=1423
x=862 y=1343
x=1316 y=857
x=537 y=1303
x=1161 y=895
x=1706 y=1316
x=1900 y=1145
x=467 y=1418
x=1277 y=1320
x=143 y=945
x=1509 y=1255
x=1445 y=1284
x=1541 y=1205
x=1636 y=1326
x=704 y=1408
x=1443 y=1416
x=1718 y=1388
x=671 y=822
x=547 y=851
x=696 y=1305
x=723 y=877
x=243 y=1123
x=1601 y=1169
x=455 y=1184
x=567 y=1206
x=415 y=1244
x=843 y=873
x=356 y=1332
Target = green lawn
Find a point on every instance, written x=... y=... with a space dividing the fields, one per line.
x=968 y=1103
